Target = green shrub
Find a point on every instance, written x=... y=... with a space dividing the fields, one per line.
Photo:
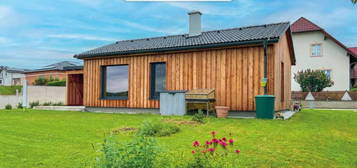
x=157 y=128
x=57 y=83
x=8 y=107
x=199 y=117
x=33 y=104
x=58 y=104
x=141 y=152
x=47 y=104
x=40 y=81
x=354 y=89
x=313 y=80
x=19 y=105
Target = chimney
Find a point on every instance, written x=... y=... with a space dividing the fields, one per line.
x=195 y=23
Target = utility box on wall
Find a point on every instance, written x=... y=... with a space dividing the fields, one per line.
x=172 y=103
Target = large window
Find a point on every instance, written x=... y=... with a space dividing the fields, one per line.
x=158 y=79
x=115 y=82
x=316 y=50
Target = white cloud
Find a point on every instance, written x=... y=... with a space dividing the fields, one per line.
x=80 y=36
x=326 y=19
x=237 y=8
x=9 y=17
x=3 y=40
x=167 y=30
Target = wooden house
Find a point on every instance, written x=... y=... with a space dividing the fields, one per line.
x=130 y=73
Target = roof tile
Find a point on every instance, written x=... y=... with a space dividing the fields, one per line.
x=175 y=42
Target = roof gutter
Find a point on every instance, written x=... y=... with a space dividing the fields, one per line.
x=269 y=41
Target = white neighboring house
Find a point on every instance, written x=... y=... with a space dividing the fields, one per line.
x=11 y=76
x=318 y=50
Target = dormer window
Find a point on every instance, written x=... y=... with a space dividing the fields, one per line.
x=316 y=50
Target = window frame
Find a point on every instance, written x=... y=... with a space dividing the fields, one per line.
x=103 y=86
x=152 y=80
x=311 y=50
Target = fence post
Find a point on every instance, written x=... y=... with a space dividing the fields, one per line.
x=24 y=94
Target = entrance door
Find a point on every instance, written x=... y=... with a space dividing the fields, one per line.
x=75 y=90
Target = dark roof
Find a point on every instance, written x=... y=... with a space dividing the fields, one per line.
x=305 y=25
x=12 y=70
x=60 y=66
x=216 y=38
x=354 y=50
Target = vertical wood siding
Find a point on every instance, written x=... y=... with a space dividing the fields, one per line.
x=282 y=55
x=235 y=73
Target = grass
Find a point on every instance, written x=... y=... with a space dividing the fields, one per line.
x=312 y=138
x=9 y=90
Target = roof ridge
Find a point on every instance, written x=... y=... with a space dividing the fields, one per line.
x=185 y=35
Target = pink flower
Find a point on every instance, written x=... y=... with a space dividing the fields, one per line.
x=237 y=151
x=231 y=141
x=211 y=149
x=195 y=144
x=215 y=140
x=193 y=152
x=213 y=133
x=224 y=144
x=208 y=143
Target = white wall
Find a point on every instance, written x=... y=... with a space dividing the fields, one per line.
x=43 y=94
x=333 y=58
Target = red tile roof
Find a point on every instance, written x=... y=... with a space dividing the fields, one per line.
x=354 y=50
x=304 y=25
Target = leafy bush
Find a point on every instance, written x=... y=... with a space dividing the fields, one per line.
x=40 y=81
x=47 y=104
x=57 y=83
x=33 y=104
x=19 y=105
x=8 y=107
x=58 y=104
x=152 y=128
x=313 y=80
x=214 y=153
x=139 y=153
x=199 y=117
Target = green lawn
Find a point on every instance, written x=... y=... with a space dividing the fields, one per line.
x=9 y=90
x=48 y=139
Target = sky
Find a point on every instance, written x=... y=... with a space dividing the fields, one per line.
x=35 y=33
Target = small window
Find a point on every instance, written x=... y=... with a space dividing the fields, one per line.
x=158 y=79
x=115 y=82
x=316 y=50
x=328 y=73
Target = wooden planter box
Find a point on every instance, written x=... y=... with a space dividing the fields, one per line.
x=200 y=94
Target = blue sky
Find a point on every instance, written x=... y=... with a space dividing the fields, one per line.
x=35 y=33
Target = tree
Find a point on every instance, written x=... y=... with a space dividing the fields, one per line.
x=313 y=80
x=354 y=1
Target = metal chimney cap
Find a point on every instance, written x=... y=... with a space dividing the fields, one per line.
x=194 y=12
